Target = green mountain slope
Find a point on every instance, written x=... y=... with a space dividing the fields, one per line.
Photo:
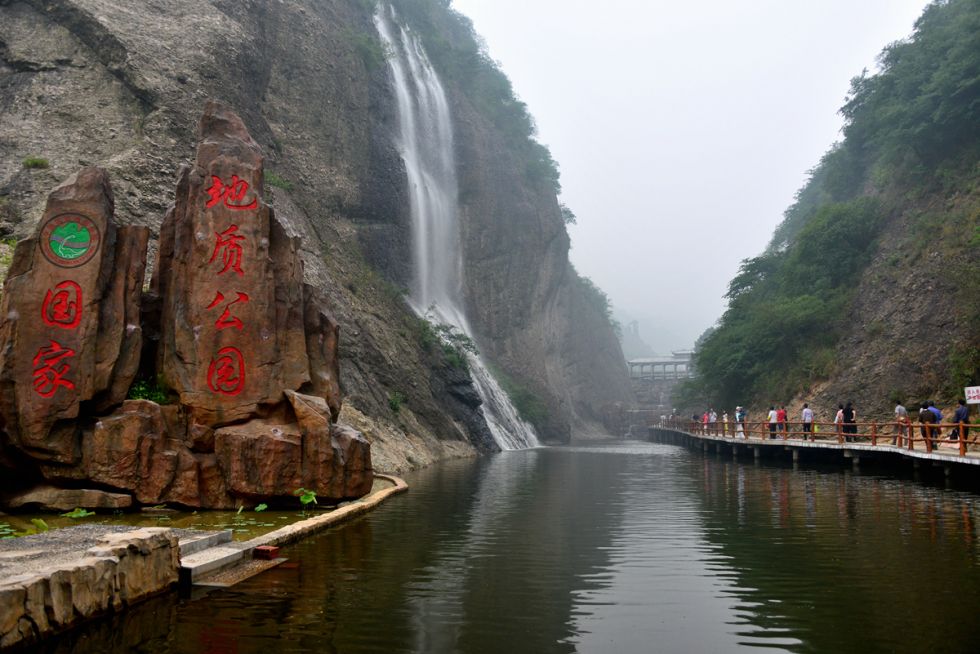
x=870 y=287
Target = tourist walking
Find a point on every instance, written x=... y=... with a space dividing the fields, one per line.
x=962 y=419
x=781 y=419
x=937 y=431
x=807 y=418
x=740 y=422
x=901 y=424
x=850 y=422
x=772 y=422
x=839 y=419
x=926 y=420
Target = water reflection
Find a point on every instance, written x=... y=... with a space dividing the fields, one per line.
x=622 y=547
x=845 y=562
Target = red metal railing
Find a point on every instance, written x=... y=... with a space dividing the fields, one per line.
x=905 y=434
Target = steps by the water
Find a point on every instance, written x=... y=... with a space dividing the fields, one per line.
x=196 y=541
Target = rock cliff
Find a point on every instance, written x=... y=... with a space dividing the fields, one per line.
x=120 y=85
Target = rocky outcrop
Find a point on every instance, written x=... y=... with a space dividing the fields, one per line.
x=70 y=332
x=234 y=335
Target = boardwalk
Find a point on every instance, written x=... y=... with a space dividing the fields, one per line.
x=941 y=444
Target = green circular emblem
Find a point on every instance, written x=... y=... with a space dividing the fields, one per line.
x=69 y=240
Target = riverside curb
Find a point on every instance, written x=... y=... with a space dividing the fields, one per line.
x=226 y=555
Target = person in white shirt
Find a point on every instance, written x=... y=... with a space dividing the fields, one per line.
x=807 y=422
x=901 y=420
x=772 y=422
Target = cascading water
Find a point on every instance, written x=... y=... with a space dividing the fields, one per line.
x=425 y=139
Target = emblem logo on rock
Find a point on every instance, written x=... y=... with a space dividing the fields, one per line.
x=69 y=240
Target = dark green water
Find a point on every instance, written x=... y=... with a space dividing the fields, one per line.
x=623 y=547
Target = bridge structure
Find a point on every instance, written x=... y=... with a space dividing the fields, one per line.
x=654 y=378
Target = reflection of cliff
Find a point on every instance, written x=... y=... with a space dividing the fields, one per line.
x=858 y=554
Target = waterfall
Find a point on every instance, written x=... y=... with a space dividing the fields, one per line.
x=425 y=141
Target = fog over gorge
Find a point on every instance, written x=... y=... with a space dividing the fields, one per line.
x=666 y=314
x=683 y=130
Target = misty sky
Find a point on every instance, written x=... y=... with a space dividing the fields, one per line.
x=683 y=129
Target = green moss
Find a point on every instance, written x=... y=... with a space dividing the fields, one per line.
x=369 y=48
x=395 y=401
x=35 y=163
x=143 y=389
x=529 y=405
x=275 y=181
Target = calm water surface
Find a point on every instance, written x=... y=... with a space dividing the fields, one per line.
x=613 y=547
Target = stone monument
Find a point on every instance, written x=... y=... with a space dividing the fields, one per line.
x=228 y=329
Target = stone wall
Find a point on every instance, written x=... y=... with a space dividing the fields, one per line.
x=51 y=582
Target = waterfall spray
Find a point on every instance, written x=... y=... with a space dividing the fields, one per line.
x=425 y=141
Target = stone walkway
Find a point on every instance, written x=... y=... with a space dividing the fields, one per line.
x=51 y=581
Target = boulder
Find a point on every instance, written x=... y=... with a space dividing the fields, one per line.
x=336 y=458
x=134 y=449
x=50 y=498
x=70 y=331
x=260 y=458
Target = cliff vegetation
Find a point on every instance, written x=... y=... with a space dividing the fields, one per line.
x=870 y=287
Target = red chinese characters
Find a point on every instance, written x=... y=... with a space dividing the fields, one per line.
x=226 y=320
x=62 y=306
x=226 y=374
x=50 y=368
x=228 y=244
x=231 y=195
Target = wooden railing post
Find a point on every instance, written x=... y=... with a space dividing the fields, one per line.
x=840 y=435
x=874 y=432
x=962 y=440
x=908 y=432
x=929 y=433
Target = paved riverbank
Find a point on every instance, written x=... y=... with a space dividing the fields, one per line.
x=53 y=581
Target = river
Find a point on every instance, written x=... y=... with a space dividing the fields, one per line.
x=608 y=547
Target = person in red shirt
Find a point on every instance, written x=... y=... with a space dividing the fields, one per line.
x=781 y=419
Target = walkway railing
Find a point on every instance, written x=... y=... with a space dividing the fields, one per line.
x=906 y=434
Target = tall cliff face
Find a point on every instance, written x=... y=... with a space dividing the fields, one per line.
x=533 y=315
x=120 y=85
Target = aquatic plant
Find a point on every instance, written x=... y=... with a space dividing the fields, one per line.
x=306 y=497
x=78 y=512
